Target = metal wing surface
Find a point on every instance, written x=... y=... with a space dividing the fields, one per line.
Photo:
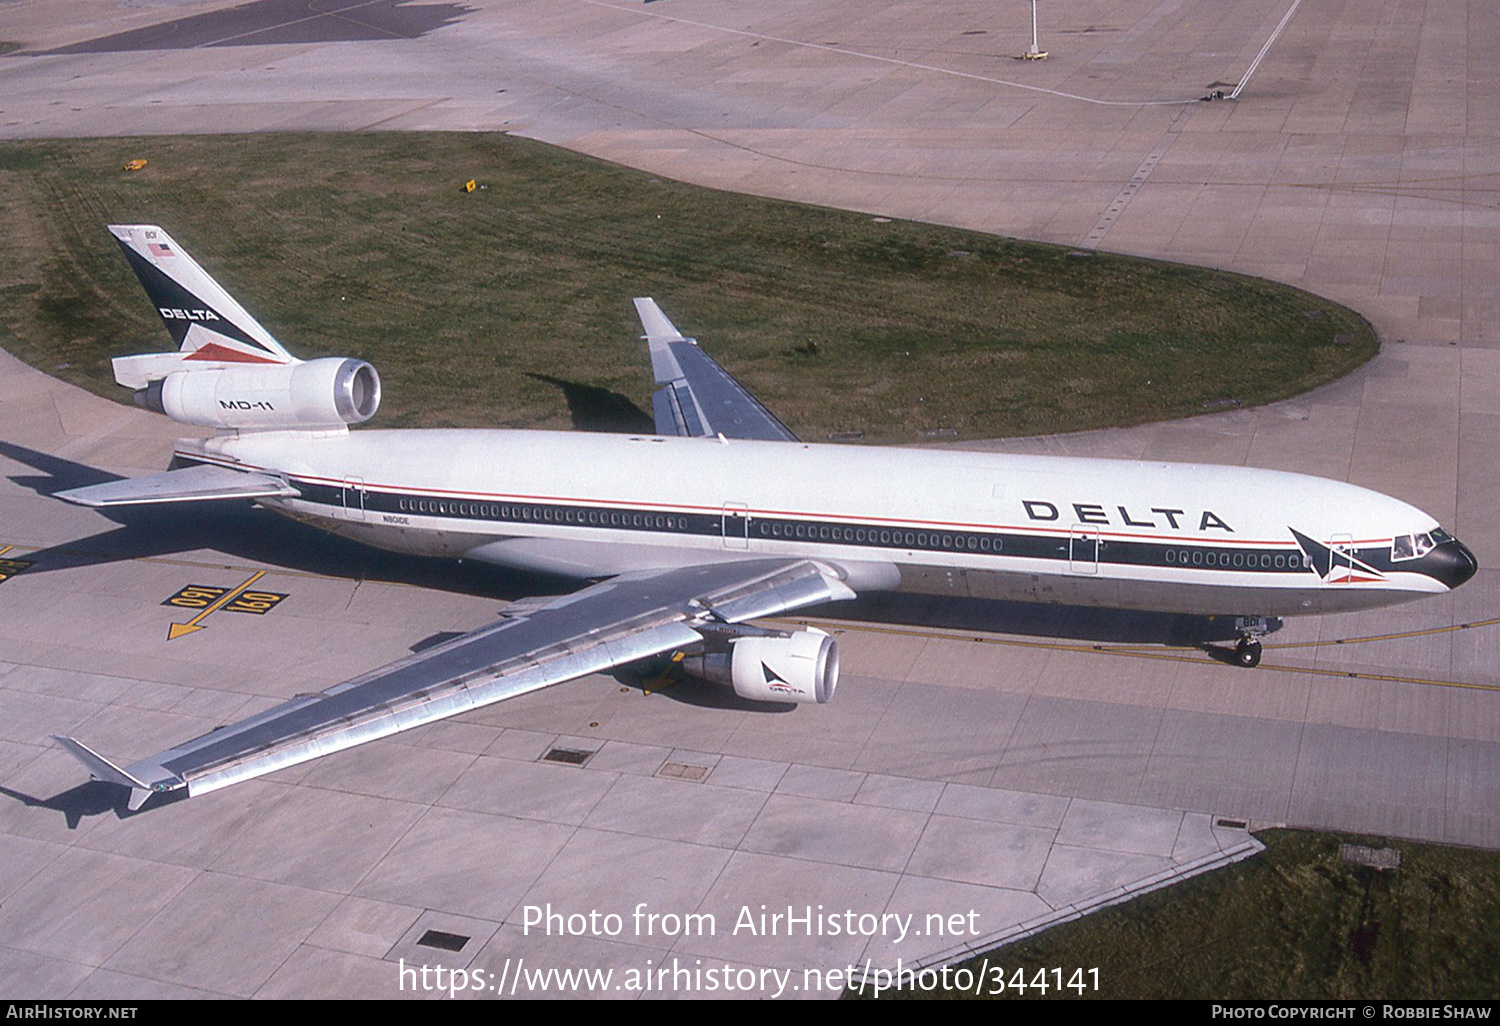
x=191 y=484
x=601 y=626
x=698 y=398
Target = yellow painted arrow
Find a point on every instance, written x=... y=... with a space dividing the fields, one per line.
x=177 y=630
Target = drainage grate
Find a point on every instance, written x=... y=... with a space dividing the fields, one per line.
x=444 y=941
x=682 y=771
x=571 y=756
x=1232 y=824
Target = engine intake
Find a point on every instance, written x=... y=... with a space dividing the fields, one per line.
x=325 y=393
x=799 y=667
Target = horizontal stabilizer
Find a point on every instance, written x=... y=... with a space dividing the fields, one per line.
x=191 y=484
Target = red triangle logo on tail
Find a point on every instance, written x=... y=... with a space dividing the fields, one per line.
x=214 y=351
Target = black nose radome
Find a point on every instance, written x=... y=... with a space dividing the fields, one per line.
x=1451 y=562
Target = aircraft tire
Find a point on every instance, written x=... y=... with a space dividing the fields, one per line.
x=1247 y=652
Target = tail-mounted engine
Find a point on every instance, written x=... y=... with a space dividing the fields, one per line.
x=770 y=666
x=326 y=393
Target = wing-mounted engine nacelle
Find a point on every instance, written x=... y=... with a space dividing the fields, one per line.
x=326 y=393
x=770 y=666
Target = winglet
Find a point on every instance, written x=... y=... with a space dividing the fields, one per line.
x=660 y=335
x=101 y=768
x=658 y=328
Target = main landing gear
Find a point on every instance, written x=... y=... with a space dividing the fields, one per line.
x=1251 y=629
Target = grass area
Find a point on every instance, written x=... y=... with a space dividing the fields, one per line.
x=500 y=306
x=1296 y=921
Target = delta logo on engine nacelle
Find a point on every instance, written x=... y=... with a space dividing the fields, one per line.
x=775 y=682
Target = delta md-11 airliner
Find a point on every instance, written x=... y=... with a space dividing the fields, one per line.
x=682 y=537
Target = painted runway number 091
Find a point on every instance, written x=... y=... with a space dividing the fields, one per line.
x=201 y=596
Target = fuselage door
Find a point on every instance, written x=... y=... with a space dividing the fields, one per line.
x=1083 y=549
x=354 y=499
x=736 y=525
x=1341 y=559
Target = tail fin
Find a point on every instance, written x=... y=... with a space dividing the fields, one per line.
x=209 y=327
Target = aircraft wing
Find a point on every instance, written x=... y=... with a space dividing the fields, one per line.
x=617 y=621
x=698 y=398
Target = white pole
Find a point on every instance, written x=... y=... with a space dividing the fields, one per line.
x=1034 y=47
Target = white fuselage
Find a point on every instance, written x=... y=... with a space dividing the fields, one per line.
x=1126 y=534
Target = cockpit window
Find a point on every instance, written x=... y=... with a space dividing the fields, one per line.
x=1410 y=546
x=1439 y=536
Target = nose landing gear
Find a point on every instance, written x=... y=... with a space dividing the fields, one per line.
x=1251 y=629
x=1247 y=652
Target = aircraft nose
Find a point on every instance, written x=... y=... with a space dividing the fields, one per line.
x=1452 y=563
